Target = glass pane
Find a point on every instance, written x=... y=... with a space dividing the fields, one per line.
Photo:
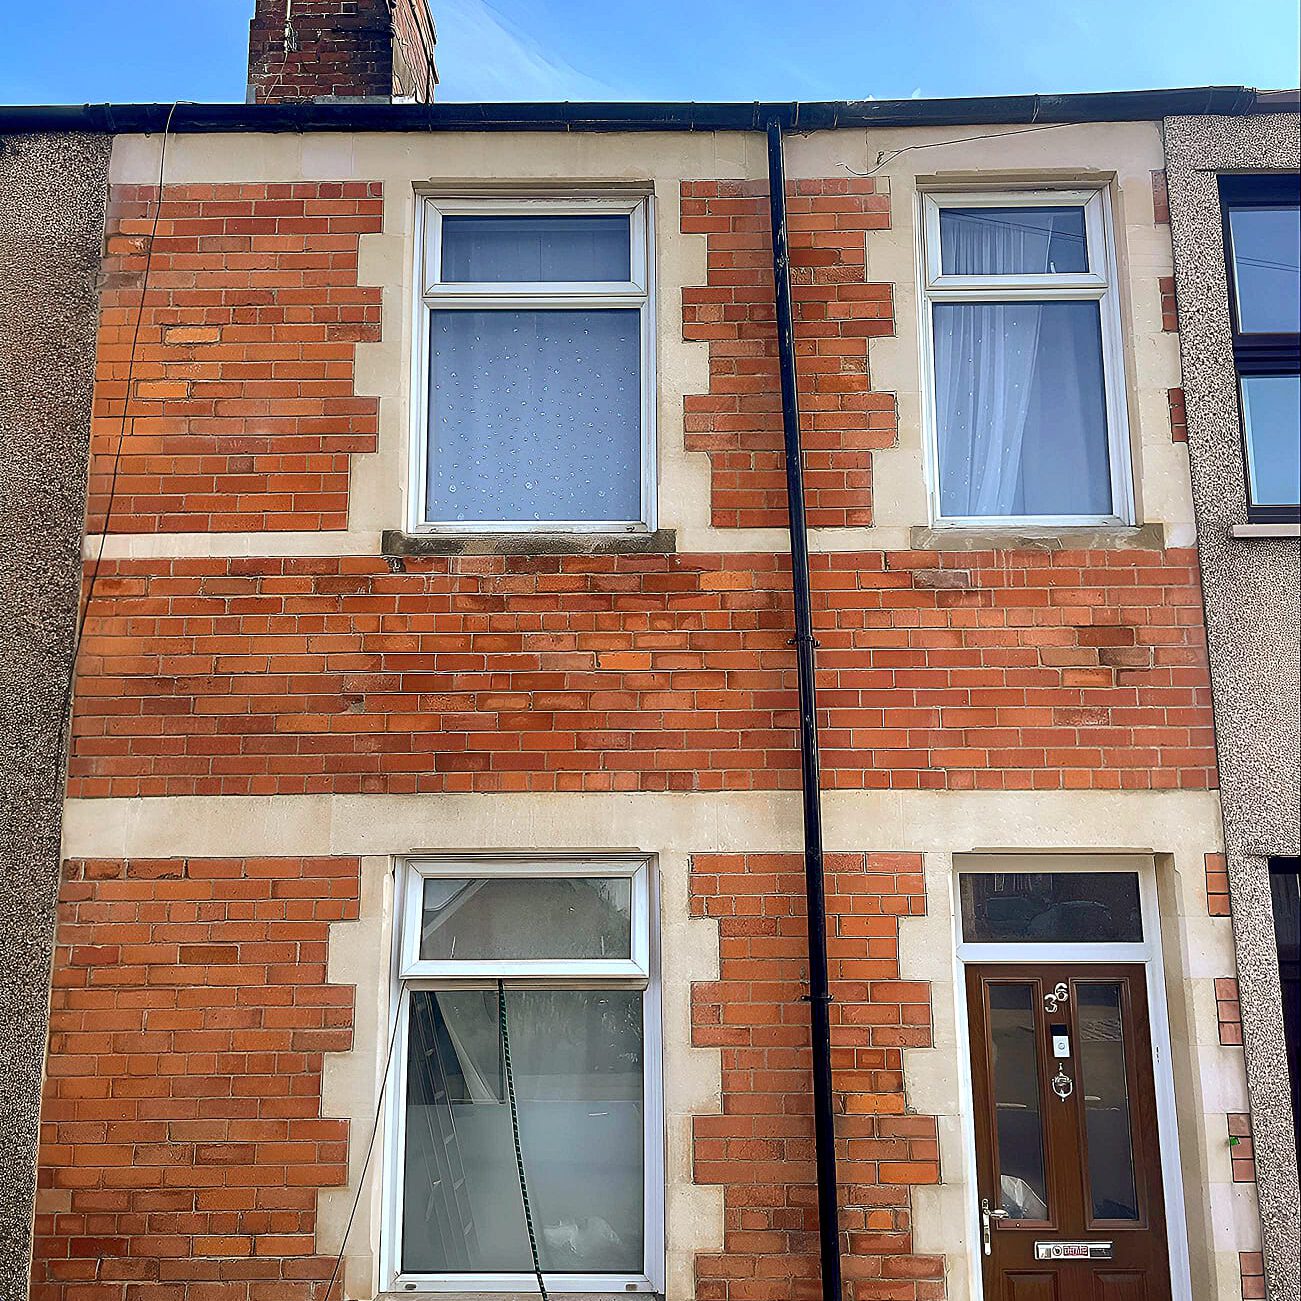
x=535 y=416
x=1012 y=241
x=536 y=248
x=577 y=1055
x=1016 y=1101
x=1021 y=408
x=1106 y=1101
x=1050 y=907
x=1271 y=413
x=1267 y=268
x=505 y=918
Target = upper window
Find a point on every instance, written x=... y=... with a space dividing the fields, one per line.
x=553 y=959
x=534 y=398
x=1026 y=392
x=1262 y=240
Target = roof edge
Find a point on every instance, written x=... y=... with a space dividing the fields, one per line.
x=324 y=115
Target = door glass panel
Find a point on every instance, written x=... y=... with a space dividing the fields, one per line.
x=1105 y=1082
x=521 y=919
x=577 y=1057
x=1022 y=1188
x=1050 y=907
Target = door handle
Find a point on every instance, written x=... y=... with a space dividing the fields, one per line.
x=988 y=1215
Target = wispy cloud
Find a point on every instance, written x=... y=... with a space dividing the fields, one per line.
x=483 y=55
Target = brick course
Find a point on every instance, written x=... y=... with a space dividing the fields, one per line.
x=739 y=421
x=760 y=1147
x=243 y=412
x=183 y=1145
x=1008 y=670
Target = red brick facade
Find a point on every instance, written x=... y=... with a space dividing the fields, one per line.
x=183 y=1145
x=760 y=1148
x=243 y=412
x=739 y=421
x=1011 y=670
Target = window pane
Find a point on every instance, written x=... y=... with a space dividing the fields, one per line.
x=1021 y=408
x=1106 y=1101
x=577 y=1056
x=1267 y=268
x=499 y=918
x=535 y=416
x=1050 y=907
x=536 y=248
x=1022 y=1188
x=1012 y=241
x=1271 y=414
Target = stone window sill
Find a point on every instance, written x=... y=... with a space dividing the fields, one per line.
x=1145 y=537
x=1280 y=529
x=659 y=543
x=517 y=1296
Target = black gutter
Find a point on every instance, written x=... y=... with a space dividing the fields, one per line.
x=998 y=110
x=824 y=1129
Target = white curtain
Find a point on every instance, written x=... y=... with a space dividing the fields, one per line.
x=985 y=358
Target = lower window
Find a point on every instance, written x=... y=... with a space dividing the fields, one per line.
x=551 y=960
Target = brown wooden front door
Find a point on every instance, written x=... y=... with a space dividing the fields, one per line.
x=1067 y=1153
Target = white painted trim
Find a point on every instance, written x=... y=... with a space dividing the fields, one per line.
x=641 y=869
x=1099 y=285
x=637 y=293
x=1149 y=954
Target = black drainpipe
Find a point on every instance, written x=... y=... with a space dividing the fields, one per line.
x=824 y=1134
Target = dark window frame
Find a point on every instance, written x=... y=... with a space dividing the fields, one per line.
x=1258 y=354
x=1288 y=870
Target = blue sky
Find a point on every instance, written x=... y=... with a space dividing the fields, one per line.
x=72 y=51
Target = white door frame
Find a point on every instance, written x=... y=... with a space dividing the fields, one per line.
x=1148 y=953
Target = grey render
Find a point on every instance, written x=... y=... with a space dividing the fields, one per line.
x=52 y=195
x=1252 y=591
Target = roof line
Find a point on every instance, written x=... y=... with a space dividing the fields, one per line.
x=361 y=115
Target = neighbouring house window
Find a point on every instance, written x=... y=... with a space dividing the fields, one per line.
x=572 y=944
x=534 y=405
x=1026 y=400
x=1262 y=240
x=1285 y=889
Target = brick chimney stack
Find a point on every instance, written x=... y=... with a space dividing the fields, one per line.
x=341 y=49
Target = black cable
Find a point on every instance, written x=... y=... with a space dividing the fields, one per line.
x=514 y=1125
x=370 y=1147
x=65 y=717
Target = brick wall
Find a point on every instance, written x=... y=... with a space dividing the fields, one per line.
x=242 y=412
x=739 y=421
x=1012 y=670
x=183 y=1145
x=760 y=1147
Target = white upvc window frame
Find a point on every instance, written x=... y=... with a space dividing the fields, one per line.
x=1099 y=284
x=638 y=972
x=637 y=292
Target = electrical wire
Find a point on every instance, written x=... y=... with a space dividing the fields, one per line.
x=65 y=716
x=514 y=1125
x=370 y=1146
x=887 y=156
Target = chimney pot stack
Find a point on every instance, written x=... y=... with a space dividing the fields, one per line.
x=341 y=49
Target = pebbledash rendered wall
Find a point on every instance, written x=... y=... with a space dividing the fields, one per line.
x=52 y=190
x=272 y=710
x=1252 y=586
